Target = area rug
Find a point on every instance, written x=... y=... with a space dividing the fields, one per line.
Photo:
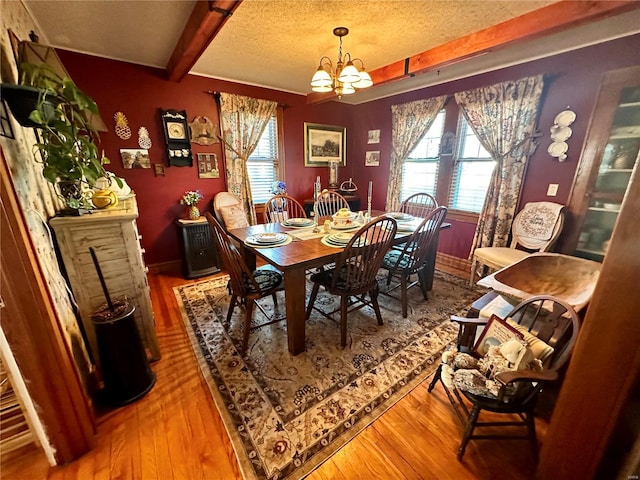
x=287 y=414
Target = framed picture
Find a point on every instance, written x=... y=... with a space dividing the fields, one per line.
x=446 y=143
x=495 y=333
x=135 y=158
x=208 y=165
x=373 y=136
x=324 y=144
x=372 y=159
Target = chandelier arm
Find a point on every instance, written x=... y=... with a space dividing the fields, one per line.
x=328 y=60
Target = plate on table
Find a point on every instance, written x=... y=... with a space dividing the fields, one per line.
x=560 y=134
x=339 y=240
x=346 y=226
x=400 y=216
x=298 y=223
x=406 y=227
x=267 y=238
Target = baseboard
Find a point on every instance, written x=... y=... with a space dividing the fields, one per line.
x=455 y=265
x=164 y=267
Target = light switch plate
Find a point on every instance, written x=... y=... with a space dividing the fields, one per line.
x=552 y=191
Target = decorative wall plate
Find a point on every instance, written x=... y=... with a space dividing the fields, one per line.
x=565 y=118
x=560 y=134
x=557 y=149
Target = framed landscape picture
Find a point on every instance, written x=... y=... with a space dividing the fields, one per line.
x=324 y=144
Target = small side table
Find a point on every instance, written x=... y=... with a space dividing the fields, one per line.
x=199 y=252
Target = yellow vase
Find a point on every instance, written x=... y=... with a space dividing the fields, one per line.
x=194 y=212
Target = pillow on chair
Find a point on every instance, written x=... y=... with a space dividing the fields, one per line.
x=234 y=216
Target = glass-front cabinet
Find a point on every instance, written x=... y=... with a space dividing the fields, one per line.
x=611 y=153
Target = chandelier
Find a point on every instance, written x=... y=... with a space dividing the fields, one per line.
x=346 y=78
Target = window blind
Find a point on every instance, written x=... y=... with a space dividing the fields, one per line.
x=262 y=164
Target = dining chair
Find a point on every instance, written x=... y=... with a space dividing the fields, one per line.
x=354 y=272
x=245 y=286
x=282 y=207
x=329 y=202
x=536 y=227
x=549 y=328
x=418 y=205
x=412 y=258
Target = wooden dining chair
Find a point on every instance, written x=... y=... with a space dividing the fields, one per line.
x=412 y=258
x=245 y=286
x=419 y=205
x=549 y=327
x=329 y=202
x=354 y=273
x=282 y=207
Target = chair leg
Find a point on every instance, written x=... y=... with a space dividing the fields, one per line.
x=312 y=300
x=474 y=265
x=468 y=430
x=343 y=320
x=275 y=299
x=403 y=295
x=247 y=324
x=373 y=294
x=232 y=306
x=422 y=281
x=389 y=278
x=531 y=428
x=436 y=377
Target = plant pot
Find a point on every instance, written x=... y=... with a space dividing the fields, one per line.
x=22 y=100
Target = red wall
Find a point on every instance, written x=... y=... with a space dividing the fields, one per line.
x=139 y=92
x=573 y=82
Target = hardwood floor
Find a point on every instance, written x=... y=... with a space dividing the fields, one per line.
x=175 y=432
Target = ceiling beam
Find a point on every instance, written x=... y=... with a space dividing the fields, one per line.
x=206 y=20
x=544 y=21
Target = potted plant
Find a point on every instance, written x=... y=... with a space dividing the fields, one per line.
x=70 y=158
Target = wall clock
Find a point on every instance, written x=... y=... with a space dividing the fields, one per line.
x=176 y=133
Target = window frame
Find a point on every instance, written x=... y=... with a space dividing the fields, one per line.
x=279 y=162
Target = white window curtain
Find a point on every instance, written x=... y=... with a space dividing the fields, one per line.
x=410 y=121
x=504 y=118
x=243 y=121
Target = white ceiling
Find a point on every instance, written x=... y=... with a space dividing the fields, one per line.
x=278 y=43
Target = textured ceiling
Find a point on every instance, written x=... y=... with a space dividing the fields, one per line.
x=278 y=43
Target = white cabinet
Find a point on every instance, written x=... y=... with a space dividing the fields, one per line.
x=114 y=236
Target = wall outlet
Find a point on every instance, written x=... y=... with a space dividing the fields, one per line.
x=552 y=191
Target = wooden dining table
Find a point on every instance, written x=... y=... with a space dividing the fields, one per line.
x=294 y=259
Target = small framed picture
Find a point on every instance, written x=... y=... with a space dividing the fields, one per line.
x=135 y=158
x=446 y=143
x=208 y=165
x=495 y=333
x=372 y=159
x=373 y=136
x=158 y=169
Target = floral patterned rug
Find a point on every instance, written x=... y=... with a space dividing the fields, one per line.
x=287 y=414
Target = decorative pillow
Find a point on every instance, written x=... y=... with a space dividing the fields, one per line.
x=495 y=333
x=233 y=216
x=541 y=350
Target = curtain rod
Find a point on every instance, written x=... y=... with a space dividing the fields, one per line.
x=216 y=97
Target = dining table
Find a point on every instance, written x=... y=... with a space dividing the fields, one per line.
x=306 y=250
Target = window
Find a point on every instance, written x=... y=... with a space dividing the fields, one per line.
x=264 y=165
x=472 y=171
x=420 y=170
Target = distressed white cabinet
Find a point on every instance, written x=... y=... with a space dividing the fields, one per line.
x=114 y=236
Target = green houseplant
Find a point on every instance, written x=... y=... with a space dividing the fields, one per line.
x=70 y=158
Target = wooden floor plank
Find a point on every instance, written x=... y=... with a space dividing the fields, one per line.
x=176 y=432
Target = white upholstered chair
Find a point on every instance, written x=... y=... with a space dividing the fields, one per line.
x=228 y=211
x=536 y=228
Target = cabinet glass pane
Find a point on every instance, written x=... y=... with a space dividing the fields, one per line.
x=614 y=172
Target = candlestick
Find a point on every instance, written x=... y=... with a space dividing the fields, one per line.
x=369 y=198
